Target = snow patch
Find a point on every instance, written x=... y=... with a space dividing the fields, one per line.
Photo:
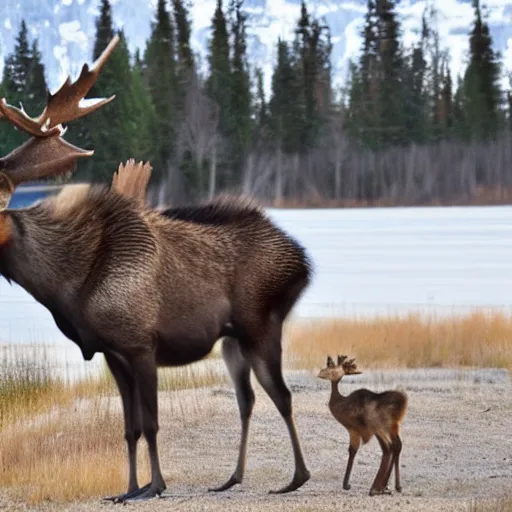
x=66 y=2
x=7 y=24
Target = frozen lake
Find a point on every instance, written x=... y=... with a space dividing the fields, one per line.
x=367 y=262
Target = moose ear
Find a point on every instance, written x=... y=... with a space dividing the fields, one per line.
x=330 y=362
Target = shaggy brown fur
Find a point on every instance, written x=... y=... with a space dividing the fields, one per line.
x=149 y=289
x=365 y=414
x=132 y=180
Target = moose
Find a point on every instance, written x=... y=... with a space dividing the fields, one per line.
x=365 y=414
x=149 y=288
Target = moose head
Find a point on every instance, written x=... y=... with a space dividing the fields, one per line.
x=46 y=153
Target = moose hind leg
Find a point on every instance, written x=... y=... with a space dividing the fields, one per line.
x=239 y=369
x=266 y=363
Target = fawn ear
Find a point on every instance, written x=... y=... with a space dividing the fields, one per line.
x=330 y=362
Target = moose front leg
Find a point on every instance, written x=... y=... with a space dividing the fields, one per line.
x=126 y=384
x=145 y=374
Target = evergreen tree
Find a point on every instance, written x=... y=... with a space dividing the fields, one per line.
x=446 y=107
x=19 y=64
x=36 y=82
x=24 y=83
x=260 y=107
x=218 y=83
x=376 y=109
x=104 y=29
x=109 y=131
x=160 y=74
x=365 y=79
x=415 y=91
x=143 y=117
x=509 y=103
x=183 y=28
x=219 y=89
x=240 y=105
x=460 y=126
x=185 y=79
x=390 y=68
x=312 y=49
x=438 y=79
x=285 y=114
x=481 y=91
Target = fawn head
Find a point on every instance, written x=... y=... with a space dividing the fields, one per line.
x=46 y=153
x=335 y=372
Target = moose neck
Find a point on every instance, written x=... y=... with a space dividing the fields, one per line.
x=33 y=235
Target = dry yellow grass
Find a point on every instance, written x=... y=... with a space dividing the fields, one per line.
x=63 y=442
x=65 y=457
x=51 y=450
x=413 y=341
x=498 y=505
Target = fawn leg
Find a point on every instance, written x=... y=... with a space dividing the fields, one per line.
x=355 y=442
x=121 y=371
x=239 y=369
x=379 y=484
x=266 y=363
x=145 y=372
x=397 y=447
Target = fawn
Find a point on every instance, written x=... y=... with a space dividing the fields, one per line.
x=364 y=414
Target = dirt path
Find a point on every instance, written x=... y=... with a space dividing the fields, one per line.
x=457 y=437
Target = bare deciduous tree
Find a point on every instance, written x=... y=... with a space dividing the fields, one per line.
x=199 y=132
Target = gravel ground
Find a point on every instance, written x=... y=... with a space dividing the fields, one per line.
x=456 y=447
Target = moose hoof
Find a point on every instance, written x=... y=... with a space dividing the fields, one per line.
x=146 y=494
x=122 y=497
x=398 y=488
x=230 y=483
x=347 y=487
x=298 y=481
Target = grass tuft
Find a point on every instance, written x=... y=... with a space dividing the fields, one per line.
x=62 y=440
x=414 y=341
x=503 y=504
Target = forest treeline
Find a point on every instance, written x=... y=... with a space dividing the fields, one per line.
x=401 y=130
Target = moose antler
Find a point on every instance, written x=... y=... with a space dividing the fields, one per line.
x=349 y=367
x=64 y=105
x=46 y=153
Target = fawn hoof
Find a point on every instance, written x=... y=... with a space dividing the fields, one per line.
x=347 y=487
x=298 y=481
x=233 y=480
x=376 y=492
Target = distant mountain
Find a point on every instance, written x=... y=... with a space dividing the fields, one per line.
x=65 y=28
